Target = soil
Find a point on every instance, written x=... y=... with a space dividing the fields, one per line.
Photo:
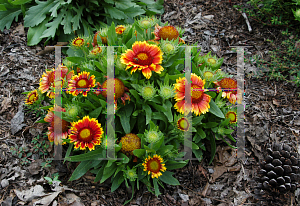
x=271 y=115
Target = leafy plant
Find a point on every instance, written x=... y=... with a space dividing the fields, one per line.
x=55 y=179
x=65 y=19
x=147 y=102
x=285 y=60
x=22 y=153
x=274 y=12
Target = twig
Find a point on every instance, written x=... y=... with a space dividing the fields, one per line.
x=247 y=21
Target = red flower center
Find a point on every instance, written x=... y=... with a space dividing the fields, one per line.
x=154 y=165
x=142 y=59
x=85 y=135
x=196 y=93
x=60 y=122
x=82 y=83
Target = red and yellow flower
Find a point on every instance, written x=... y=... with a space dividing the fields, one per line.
x=229 y=89
x=86 y=133
x=232 y=116
x=120 y=29
x=81 y=83
x=183 y=124
x=200 y=100
x=145 y=57
x=154 y=166
x=46 y=82
x=78 y=42
x=96 y=50
x=166 y=32
x=32 y=97
x=56 y=121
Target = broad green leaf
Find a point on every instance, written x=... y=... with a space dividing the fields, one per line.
x=18 y=2
x=139 y=152
x=157 y=107
x=210 y=124
x=36 y=14
x=7 y=17
x=156 y=189
x=77 y=18
x=115 y=13
x=212 y=94
x=167 y=178
x=108 y=172
x=168 y=105
x=99 y=173
x=52 y=26
x=135 y=94
x=148 y=112
x=124 y=4
x=176 y=76
x=201 y=133
x=172 y=164
x=197 y=120
x=92 y=155
x=214 y=109
x=117 y=181
x=95 y=113
x=82 y=168
x=34 y=33
x=67 y=22
x=199 y=154
x=212 y=147
x=2 y=7
x=163 y=151
x=134 y=11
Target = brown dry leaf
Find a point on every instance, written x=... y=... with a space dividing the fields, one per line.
x=276 y=102
x=6 y=103
x=218 y=171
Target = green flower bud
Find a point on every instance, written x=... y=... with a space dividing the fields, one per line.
x=72 y=110
x=153 y=136
x=131 y=174
x=148 y=92
x=166 y=91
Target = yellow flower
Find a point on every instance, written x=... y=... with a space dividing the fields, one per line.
x=32 y=97
x=154 y=166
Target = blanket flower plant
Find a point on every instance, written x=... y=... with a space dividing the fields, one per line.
x=149 y=97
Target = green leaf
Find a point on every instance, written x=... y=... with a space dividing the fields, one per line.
x=163 y=151
x=34 y=33
x=7 y=17
x=167 y=178
x=157 y=107
x=2 y=7
x=42 y=121
x=199 y=154
x=176 y=76
x=52 y=26
x=139 y=152
x=115 y=13
x=95 y=113
x=99 y=173
x=214 y=109
x=124 y=4
x=213 y=148
x=125 y=118
x=36 y=14
x=68 y=151
x=134 y=11
x=77 y=18
x=112 y=36
x=67 y=22
x=172 y=164
x=117 y=181
x=212 y=94
x=18 y=2
x=156 y=189
x=201 y=133
x=148 y=112
x=168 y=105
x=82 y=168
x=92 y=155
x=136 y=95
x=108 y=172
x=210 y=124
x=197 y=120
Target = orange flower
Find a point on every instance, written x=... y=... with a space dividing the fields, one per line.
x=46 y=82
x=200 y=100
x=145 y=57
x=78 y=42
x=31 y=97
x=120 y=29
x=52 y=136
x=166 y=32
x=229 y=89
x=81 y=83
x=86 y=133
x=154 y=165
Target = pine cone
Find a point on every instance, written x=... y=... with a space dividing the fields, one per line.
x=280 y=169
